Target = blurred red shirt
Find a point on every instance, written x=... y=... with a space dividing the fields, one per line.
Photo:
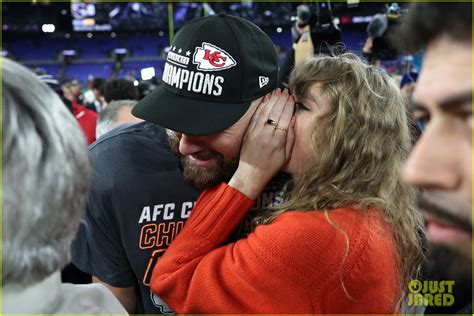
x=87 y=119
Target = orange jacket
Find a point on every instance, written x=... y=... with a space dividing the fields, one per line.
x=293 y=265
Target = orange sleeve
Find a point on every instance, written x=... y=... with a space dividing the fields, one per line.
x=198 y=274
x=292 y=265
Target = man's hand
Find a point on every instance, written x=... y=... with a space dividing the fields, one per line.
x=304 y=48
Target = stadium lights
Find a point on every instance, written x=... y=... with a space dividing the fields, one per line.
x=361 y=19
x=69 y=52
x=279 y=30
x=353 y=2
x=148 y=73
x=48 y=28
x=120 y=51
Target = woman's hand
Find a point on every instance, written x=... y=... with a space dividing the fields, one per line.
x=267 y=144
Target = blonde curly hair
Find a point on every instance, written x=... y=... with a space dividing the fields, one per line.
x=359 y=146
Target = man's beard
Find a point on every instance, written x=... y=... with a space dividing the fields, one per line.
x=445 y=263
x=203 y=178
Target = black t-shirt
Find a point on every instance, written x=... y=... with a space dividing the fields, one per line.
x=137 y=204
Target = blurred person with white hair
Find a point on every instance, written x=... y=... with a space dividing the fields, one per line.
x=115 y=114
x=46 y=175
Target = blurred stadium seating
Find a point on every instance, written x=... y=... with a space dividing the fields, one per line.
x=140 y=28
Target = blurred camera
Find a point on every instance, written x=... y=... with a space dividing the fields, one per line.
x=380 y=29
x=324 y=32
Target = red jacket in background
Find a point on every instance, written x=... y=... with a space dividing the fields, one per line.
x=87 y=119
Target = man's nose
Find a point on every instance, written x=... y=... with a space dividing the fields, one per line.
x=431 y=165
x=189 y=144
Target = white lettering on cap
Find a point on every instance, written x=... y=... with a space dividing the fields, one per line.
x=177 y=58
x=192 y=81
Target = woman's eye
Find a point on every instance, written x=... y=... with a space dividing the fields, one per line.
x=300 y=107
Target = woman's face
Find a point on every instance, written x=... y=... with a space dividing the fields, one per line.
x=307 y=110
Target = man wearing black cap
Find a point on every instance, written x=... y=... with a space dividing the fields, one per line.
x=217 y=71
x=215 y=68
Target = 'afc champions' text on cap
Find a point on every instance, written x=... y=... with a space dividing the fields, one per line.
x=215 y=68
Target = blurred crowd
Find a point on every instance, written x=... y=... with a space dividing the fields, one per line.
x=236 y=185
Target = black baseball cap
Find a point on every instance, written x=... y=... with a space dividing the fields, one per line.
x=216 y=67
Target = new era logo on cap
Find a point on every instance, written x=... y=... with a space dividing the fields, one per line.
x=263 y=81
x=209 y=57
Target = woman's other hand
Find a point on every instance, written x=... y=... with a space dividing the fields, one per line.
x=266 y=145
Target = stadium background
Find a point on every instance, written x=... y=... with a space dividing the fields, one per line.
x=82 y=40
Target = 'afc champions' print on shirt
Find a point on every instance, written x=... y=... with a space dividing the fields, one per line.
x=160 y=224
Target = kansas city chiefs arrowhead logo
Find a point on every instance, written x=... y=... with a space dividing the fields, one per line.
x=209 y=57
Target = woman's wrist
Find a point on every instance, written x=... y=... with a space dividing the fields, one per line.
x=248 y=181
